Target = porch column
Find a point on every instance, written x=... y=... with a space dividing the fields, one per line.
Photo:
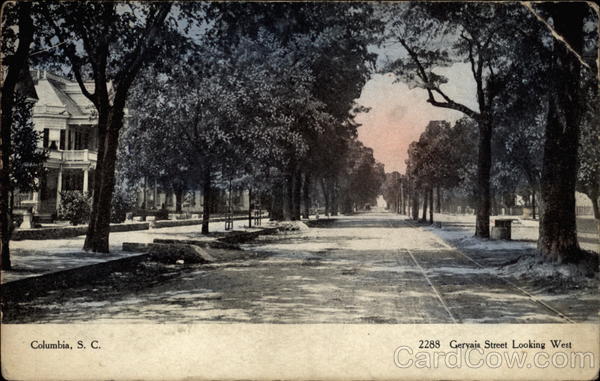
x=155 y=199
x=58 y=187
x=85 y=179
x=36 y=201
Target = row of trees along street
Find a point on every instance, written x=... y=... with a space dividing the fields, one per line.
x=256 y=95
x=535 y=128
x=262 y=96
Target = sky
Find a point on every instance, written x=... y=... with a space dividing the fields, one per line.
x=399 y=115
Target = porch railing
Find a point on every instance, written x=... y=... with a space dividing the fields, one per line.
x=83 y=155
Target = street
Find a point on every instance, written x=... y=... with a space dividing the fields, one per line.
x=366 y=268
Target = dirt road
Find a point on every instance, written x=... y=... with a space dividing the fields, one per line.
x=370 y=268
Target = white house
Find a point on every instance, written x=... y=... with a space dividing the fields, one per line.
x=68 y=123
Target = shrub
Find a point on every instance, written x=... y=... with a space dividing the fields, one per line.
x=121 y=204
x=17 y=219
x=75 y=207
x=162 y=214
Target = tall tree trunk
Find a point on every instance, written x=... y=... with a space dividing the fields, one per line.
x=415 y=204
x=144 y=194
x=431 y=205
x=425 y=200
x=484 y=165
x=334 y=197
x=306 y=195
x=408 y=201
x=492 y=202
x=438 y=205
x=402 y=197
x=325 y=196
x=533 y=204
x=178 y=199
x=250 y=207
x=558 y=230
x=98 y=232
x=593 y=195
x=207 y=198
x=155 y=200
x=17 y=63
x=297 y=196
x=288 y=197
x=276 y=213
x=402 y=202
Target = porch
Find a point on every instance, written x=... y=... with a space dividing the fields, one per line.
x=55 y=181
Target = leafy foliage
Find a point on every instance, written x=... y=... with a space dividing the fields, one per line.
x=26 y=160
x=75 y=207
x=588 y=175
x=122 y=203
x=258 y=100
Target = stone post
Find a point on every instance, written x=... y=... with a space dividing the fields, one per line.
x=86 y=179
x=58 y=187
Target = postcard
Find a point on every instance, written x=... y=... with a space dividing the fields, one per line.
x=300 y=190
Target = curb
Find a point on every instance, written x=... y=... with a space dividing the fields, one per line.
x=75 y=231
x=28 y=288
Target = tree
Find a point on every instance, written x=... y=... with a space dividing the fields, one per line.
x=392 y=191
x=150 y=148
x=478 y=33
x=323 y=36
x=520 y=112
x=444 y=157
x=26 y=164
x=361 y=183
x=15 y=52
x=558 y=232
x=518 y=151
x=588 y=175
x=108 y=43
x=433 y=163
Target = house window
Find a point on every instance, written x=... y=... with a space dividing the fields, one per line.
x=62 y=139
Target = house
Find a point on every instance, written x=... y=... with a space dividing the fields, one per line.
x=153 y=198
x=68 y=123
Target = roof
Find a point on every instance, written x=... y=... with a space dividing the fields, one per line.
x=60 y=96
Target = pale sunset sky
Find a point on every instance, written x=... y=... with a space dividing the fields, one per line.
x=399 y=115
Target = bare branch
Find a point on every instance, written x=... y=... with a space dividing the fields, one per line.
x=150 y=33
x=70 y=53
x=421 y=71
x=449 y=103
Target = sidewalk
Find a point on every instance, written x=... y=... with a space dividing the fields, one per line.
x=525 y=232
x=36 y=257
